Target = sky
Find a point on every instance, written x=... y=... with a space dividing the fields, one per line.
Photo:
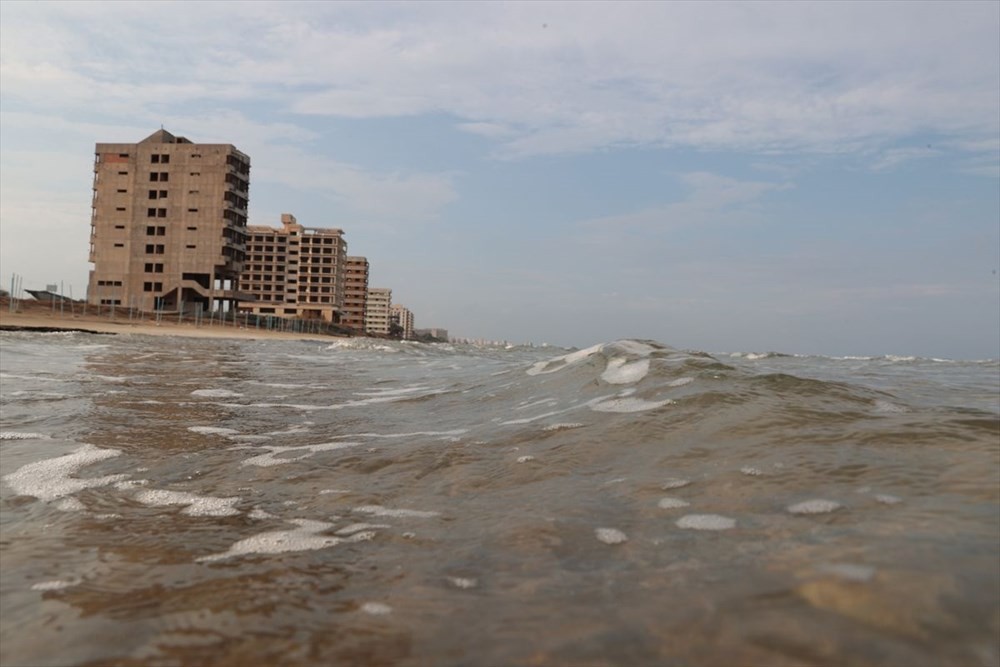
x=808 y=178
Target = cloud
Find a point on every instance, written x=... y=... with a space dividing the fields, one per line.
x=711 y=199
x=541 y=78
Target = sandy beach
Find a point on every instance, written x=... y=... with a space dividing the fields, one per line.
x=31 y=315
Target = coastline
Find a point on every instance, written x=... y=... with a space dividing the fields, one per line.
x=39 y=318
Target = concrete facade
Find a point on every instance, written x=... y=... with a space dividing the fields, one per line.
x=377 y=310
x=294 y=271
x=355 y=293
x=168 y=225
x=402 y=316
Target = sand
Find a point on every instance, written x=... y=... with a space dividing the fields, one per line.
x=37 y=316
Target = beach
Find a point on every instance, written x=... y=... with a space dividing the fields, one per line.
x=37 y=316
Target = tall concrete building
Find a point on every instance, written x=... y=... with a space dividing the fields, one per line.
x=402 y=316
x=355 y=293
x=294 y=271
x=377 y=310
x=168 y=225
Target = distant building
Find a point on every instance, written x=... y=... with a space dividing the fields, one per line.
x=294 y=271
x=402 y=316
x=377 y=310
x=355 y=293
x=168 y=224
x=433 y=332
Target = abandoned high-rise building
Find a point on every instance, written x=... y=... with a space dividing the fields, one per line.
x=355 y=293
x=377 y=310
x=403 y=317
x=168 y=224
x=294 y=271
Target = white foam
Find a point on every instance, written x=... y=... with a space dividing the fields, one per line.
x=14 y=435
x=378 y=510
x=216 y=393
x=622 y=371
x=814 y=506
x=257 y=513
x=196 y=505
x=303 y=538
x=886 y=407
x=752 y=472
x=674 y=483
x=376 y=608
x=525 y=459
x=610 y=536
x=672 y=503
x=54 y=585
x=212 y=430
x=560 y=362
x=269 y=457
x=357 y=527
x=887 y=499
x=680 y=382
x=626 y=405
x=706 y=522
x=562 y=426
x=50 y=479
x=463 y=582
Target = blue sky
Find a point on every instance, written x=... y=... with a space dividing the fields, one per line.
x=801 y=177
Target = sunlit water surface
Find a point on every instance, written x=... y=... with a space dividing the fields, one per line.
x=205 y=502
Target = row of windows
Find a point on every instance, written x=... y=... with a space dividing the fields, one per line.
x=156 y=231
x=152 y=287
x=160 y=176
x=109 y=283
x=154 y=268
x=159 y=159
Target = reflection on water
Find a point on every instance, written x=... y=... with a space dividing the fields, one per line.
x=232 y=503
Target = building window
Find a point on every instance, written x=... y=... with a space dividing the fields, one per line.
x=120 y=208
x=119 y=245
x=119 y=226
x=152 y=194
x=123 y=155
x=155 y=159
x=192 y=210
x=164 y=159
x=190 y=247
x=161 y=213
x=196 y=173
x=160 y=176
x=192 y=229
x=150 y=212
x=123 y=173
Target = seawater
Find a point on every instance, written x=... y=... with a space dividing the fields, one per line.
x=173 y=501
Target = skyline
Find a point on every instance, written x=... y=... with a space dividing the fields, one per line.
x=817 y=178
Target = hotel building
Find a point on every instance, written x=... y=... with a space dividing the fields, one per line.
x=355 y=293
x=294 y=271
x=168 y=224
x=377 y=310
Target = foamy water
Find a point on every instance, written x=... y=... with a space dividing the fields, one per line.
x=221 y=502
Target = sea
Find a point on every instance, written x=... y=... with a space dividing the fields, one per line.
x=180 y=501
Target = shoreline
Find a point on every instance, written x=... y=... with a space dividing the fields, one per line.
x=44 y=321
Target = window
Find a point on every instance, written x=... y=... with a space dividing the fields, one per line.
x=196 y=173
x=119 y=226
x=190 y=247
x=164 y=159
x=119 y=245
x=163 y=194
x=192 y=210
x=161 y=231
x=193 y=192
x=154 y=249
x=192 y=229
x=154 y=176
x=123 y=155
x=152 y=194
x=120 y=208
x=154 y=268
x=155 y=159
x=161 y=213
x=123 y=173
x=150 y=213
x=160 y=176
x=152 y=287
